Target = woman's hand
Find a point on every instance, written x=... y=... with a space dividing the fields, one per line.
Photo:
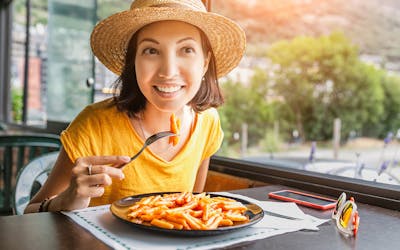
x=86 y=184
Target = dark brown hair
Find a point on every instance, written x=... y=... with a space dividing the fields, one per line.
x=129 y=98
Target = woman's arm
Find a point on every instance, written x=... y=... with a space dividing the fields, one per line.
x=57 y=182
x=201 y=176
x=69 y=185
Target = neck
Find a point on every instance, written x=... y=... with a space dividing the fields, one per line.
x=151 y=121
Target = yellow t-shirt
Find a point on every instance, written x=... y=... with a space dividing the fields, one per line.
x=100 y=129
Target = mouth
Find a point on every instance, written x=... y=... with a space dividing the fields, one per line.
x=168 y=89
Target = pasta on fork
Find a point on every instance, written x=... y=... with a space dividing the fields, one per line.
x=175 y=125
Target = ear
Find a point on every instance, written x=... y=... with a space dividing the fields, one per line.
x=206 y=62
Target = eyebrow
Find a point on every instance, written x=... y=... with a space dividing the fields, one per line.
x=156 y=42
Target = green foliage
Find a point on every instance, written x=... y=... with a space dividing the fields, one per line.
x=38 y=12
x=322 y=79
x=369 y=24
x=249 y=103
x=16 y=104
x=390 y=120
x=270 y=142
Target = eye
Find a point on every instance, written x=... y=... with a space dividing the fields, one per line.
x=150 y=51
x=188 y=50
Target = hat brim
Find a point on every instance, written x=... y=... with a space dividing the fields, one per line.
x=110 y=37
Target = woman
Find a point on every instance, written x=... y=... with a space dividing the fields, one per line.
x=168 y=55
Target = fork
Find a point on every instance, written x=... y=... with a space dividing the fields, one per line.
x=152 y=139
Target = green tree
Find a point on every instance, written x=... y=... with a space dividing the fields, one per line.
x=16 y=104
x=322 y=79
x=390 y=120
x=247 y=103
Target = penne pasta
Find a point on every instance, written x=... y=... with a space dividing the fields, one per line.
x=187 y=211
x=175 y=126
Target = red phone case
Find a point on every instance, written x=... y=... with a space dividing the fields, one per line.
x=276 y=195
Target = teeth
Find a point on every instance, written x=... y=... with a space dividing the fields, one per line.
x=168 y=89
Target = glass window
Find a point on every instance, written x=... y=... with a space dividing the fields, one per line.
x=63 y=76
x=35 y=112
x=104 y=77
x=69 y=58
x=318 y=88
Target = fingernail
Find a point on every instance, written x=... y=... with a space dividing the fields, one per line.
x=122 y=177
x=126 y=158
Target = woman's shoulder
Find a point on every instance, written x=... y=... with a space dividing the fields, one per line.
x=209 y=114
x=103 y=109
x=208 y=118
x=105 y=104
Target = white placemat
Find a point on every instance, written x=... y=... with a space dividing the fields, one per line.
x=120 y=235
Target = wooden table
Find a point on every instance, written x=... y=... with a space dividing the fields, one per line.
x=379 y=229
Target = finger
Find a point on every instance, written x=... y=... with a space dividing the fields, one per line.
x=82 y=169
x=121 y=166
x=87 y=187
x=103 y=160
x=98 y=180
x=95 y=191
x=110 y=171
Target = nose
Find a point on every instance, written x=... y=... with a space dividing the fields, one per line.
x=169 y=67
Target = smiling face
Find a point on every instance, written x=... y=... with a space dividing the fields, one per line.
x=169 y=64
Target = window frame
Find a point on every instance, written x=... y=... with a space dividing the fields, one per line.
x=373 y=193
x=5 y=61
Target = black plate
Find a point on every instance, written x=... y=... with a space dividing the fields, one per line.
x=120 y=210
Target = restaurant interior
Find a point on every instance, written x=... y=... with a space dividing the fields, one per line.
x=48 y=74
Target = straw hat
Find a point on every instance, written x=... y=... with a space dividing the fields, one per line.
x=110 y=37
